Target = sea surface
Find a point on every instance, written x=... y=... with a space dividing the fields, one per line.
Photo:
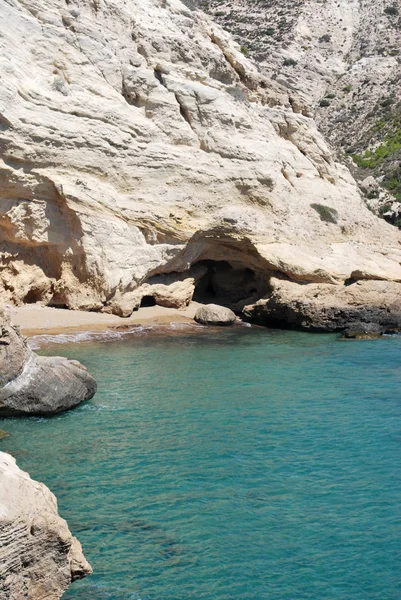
x=239 y=464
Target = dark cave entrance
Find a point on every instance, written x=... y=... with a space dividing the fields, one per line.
x=33 y=296
x=228 y=285
x=148 y=301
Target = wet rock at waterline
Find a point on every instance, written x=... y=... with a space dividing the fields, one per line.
x=212 y=314
x=327 y=307
x=33 y=384
x=362 y=331
x=39 y=557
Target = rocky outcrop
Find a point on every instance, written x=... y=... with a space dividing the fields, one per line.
x=330 y=307
x=341 y=59
x=33 y=384
x=39 y=558
x=212 y=314
x=138 y=143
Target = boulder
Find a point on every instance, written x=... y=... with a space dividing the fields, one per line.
x=39 y=557
x=362 y=331
x=370 y=186
x=213 y=314
x=32 y=384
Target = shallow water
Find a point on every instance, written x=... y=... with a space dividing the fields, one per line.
x=242 y=464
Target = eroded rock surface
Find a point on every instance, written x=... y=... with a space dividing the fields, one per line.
x=330 y=307
x=139 y=143
x=39 y=558
x=35 y=384
x=343 y=58
x=212 y=314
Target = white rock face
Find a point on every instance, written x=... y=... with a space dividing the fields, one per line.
x=137 y=140
x=39 y=558
x=341 y=57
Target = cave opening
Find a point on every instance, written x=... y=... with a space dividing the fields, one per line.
x=33 y=296
x=148 y=301
x=227 y=284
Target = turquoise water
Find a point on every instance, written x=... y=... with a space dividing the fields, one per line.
x=242 y=464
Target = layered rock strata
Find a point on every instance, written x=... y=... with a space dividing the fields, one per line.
x=39 y=558
x=343 y=58
x=33 y=384
x=144 y=158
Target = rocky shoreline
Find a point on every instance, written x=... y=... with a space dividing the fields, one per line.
x=32 y=384
x=39 y=557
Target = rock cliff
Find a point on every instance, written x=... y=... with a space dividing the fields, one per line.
x=343 y=58
x=33 y=384
x=39 y=557
x=144 y=158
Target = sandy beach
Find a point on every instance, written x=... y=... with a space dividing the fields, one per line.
x=35 y=319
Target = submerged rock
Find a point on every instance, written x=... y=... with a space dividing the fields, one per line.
x=39 y=557
x=361 y=331
x=213 y=314
x=35 y=384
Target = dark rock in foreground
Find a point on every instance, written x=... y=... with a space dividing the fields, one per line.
x=213 y=314
x=39 y=557
x=35 y=384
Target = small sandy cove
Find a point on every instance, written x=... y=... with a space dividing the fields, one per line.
x=34 y=319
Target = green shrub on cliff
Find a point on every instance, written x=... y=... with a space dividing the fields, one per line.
x=326 y=213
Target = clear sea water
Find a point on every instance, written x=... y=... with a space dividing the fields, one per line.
x=241 y=464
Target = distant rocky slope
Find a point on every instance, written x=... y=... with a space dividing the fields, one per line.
x=344 y=58
x=33 y=384
x=39 y=558
x=145 y=159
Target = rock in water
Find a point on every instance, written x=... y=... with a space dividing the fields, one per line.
x=363 y=331
x=35 y=384
x=330 y=307
x=39 y=557
x=137 y=141
x=213 y=314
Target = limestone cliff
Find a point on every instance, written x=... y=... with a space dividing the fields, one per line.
x=137 y=141
x=343 y=58
x=39 y=557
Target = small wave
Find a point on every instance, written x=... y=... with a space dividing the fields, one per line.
x=38 y=341
x=108 y=335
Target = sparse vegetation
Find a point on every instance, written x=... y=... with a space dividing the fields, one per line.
x=391 y=10
x=384 y=159
x=324 y=102
x=326 y=213
x=245 y=50
x=289 y=62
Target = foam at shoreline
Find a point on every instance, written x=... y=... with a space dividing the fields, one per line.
x=39 y=341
